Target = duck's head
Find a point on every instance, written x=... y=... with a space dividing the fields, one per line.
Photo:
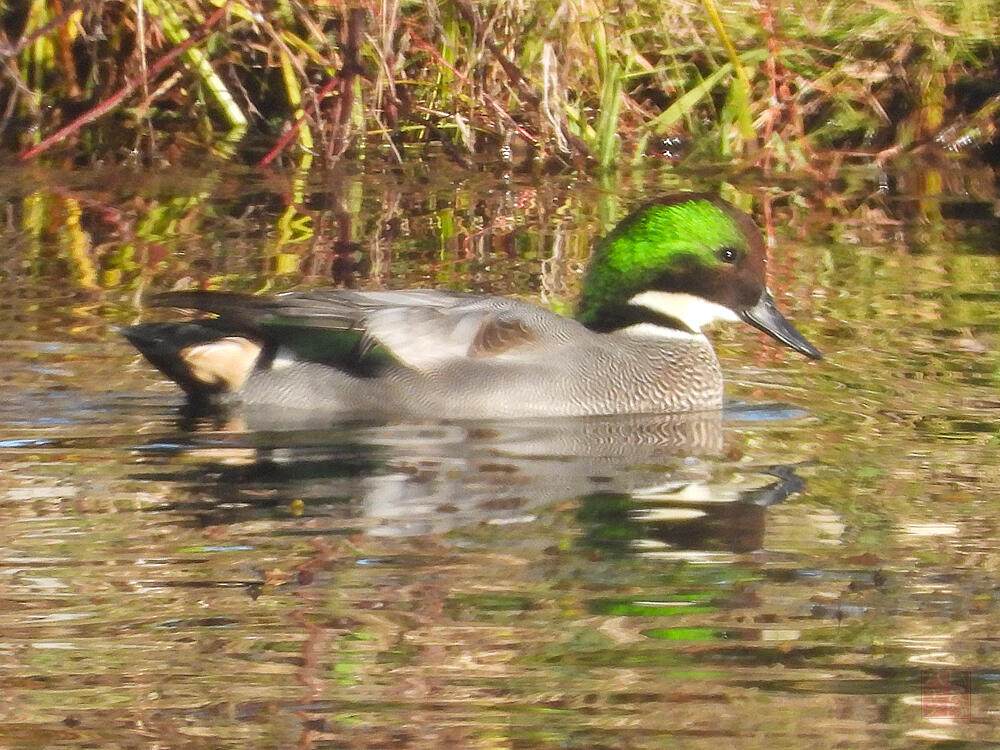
x=682 y=262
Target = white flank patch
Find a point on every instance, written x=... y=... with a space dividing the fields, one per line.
x=694 y=312
x=226 y=362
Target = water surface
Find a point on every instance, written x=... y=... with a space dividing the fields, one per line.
x=817 y=565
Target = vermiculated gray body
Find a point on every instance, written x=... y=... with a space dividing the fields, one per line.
x=592 y=375
x=449 y=355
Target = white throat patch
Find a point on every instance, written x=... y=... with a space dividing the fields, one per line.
x=694 y=312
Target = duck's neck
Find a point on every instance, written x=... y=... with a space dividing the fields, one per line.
x=618 y=316
x=674 y=310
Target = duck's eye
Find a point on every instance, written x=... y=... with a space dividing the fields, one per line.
x=727 y=254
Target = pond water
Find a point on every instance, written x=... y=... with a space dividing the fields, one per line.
x=817 y=566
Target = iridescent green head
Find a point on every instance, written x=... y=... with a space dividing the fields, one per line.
x=681 y=262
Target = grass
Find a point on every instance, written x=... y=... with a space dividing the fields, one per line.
x=783 y=85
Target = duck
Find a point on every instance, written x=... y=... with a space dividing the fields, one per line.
x=635 y=345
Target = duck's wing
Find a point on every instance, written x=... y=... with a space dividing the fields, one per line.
x=354 y=330
x=336 y=309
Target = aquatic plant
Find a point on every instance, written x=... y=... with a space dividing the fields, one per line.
x=783 y=84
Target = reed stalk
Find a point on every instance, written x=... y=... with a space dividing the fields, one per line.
x=569 y=84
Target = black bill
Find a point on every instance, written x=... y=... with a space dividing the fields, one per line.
x=766 y=316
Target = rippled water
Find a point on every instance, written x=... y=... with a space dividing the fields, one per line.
x=816 y=566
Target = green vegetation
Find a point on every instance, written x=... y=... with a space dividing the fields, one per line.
x=779 y=84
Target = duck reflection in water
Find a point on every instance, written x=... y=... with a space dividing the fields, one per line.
x=639 y=482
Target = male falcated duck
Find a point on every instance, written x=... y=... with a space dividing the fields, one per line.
x=668 y=269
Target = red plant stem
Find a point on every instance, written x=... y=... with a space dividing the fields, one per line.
x=343 y=79
x=108 y=104
x=770 y=65
x=340 y=112
x=294 y=128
